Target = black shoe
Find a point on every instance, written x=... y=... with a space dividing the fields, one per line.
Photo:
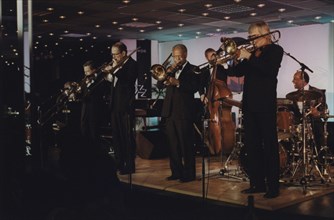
x=186 y=179
x=172 y=177
x=271 y=194
x=254 y=190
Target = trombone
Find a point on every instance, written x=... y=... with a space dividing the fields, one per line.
x=230 y=47
x=160 y=72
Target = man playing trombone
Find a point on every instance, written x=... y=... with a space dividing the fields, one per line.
x=122 y=74
x=259 y=104
x=178 y=110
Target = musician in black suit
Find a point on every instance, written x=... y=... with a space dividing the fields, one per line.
x=93 y=105
x=179 y=112
x=260 y=69
x=123 y=75
x=301 y=82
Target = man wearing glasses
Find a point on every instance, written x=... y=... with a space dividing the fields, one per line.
x=260 y=68
x=123 y=74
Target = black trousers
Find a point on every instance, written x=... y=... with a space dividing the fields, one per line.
x=261 y=146
x=180 y=137
x=123 y=139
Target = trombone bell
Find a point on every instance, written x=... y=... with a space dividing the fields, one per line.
x=159 y=72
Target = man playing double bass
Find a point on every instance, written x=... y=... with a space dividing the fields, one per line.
x=213 y=87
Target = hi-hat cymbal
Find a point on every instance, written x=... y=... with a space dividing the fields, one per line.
x=303 y=95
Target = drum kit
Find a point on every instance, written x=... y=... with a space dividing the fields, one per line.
x=301 y=158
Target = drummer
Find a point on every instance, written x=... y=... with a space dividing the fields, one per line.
x=315 y=104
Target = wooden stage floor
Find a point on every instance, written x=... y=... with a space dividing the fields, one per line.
x=225 y=188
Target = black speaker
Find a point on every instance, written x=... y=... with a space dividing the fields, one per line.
x=151 y=144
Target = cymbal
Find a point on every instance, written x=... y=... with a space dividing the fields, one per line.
x=303 y=95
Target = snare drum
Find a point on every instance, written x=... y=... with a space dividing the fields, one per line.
x=285 y=119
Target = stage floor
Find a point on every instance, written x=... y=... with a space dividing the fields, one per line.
x=226 y=187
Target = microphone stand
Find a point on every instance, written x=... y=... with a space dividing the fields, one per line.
x=305 y=160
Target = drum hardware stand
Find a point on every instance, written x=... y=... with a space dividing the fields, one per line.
x=235 y=154
x=308 y=157
x=325 y=156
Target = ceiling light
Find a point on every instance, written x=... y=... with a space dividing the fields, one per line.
x=180 y=25
x=97 y=26
x=94 y=38
x=62 y=16
x=88 y=34
x=80 y=39
x=120 y=28
x=205 y=14
x=182 y=10
x=114 y=22
x=81 y=12
x=60 y=38
x=158 y=22
x=56 y=43
x=39 y=36
x=50 y=9
x=45 y=20
x=317 y=17
x=66 y=31
x=141 y=31
x=281 y=9
x=160 y=28
x=253 y=14
x=198 y=32
x=332 y=21
x=218 y=29
x=180 y=35
x=237 y=1
x=227 y=17
x=126 y=1
x=134 y=19
x=109 y=35
x=261 y=5
x=290 y=21
x=51 y=34
x=208 y=5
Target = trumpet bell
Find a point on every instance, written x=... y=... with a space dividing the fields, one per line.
x=159 y=72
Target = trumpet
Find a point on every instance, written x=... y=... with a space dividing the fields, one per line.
x=160 y=72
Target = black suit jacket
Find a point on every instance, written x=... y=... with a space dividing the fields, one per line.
x=123 y=93
x=260 y=82
x=179 y=101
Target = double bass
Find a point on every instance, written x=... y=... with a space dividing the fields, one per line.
x=220 y=136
